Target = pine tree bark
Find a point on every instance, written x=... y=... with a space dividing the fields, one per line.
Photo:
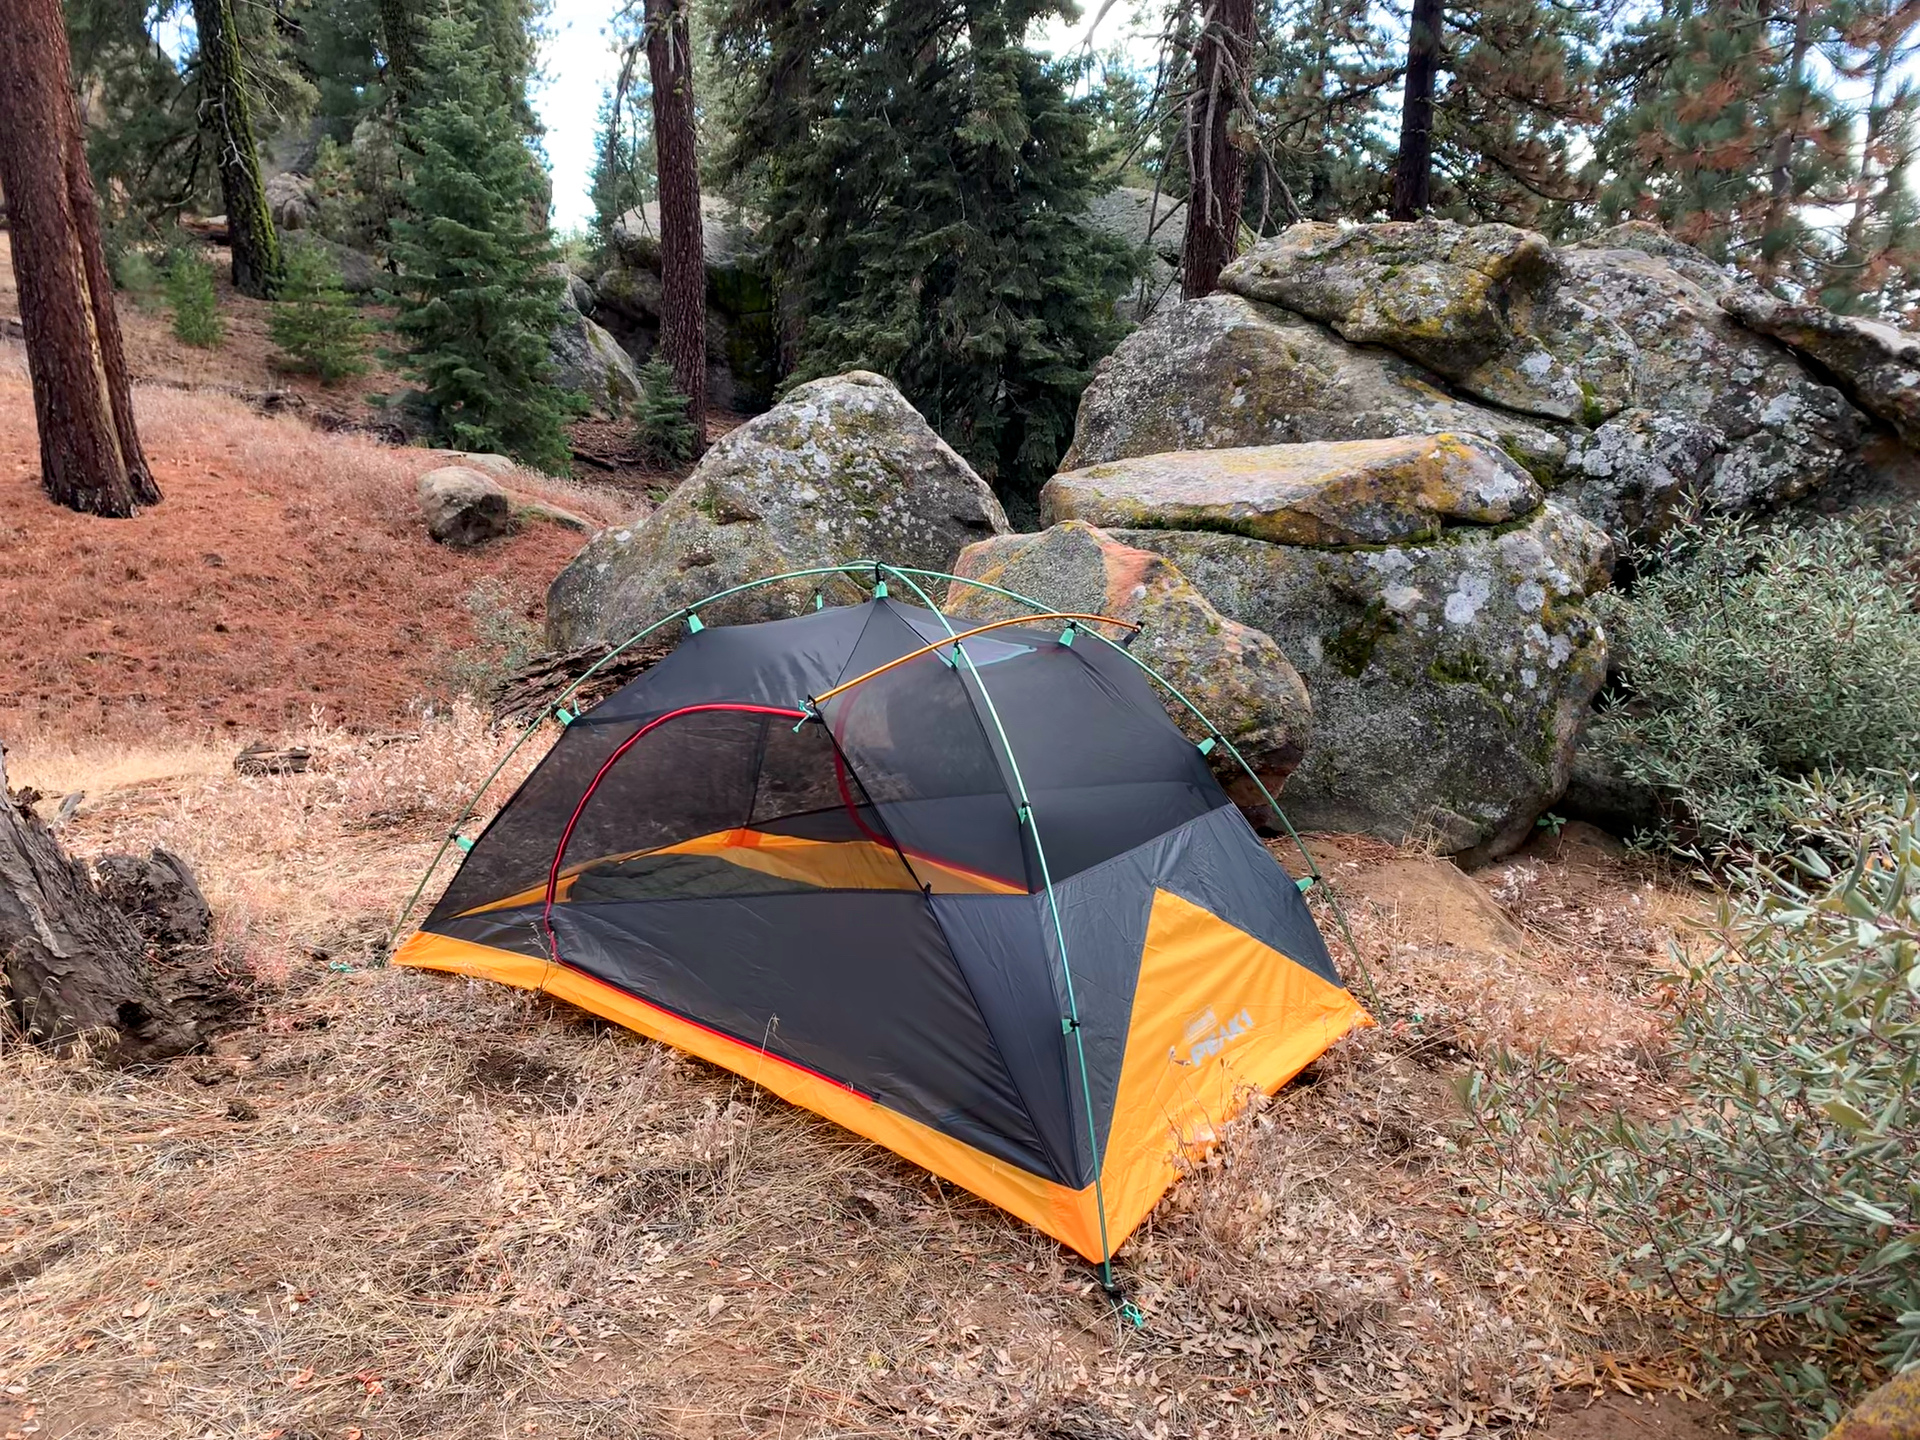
x=90 y=455
x=1216 y=165
x=227 y=116
x=400 y=36
x=1413 y=171
x=75 y=967
x=683 y=268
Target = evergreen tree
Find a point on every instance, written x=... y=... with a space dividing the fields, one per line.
x=313 y=323
x=662 y=427
x=623 y=166
x=1876 y=264
x=477 y=298
x=924 y=172
x=1721 y=130
x=196 y=309
x=1322 y=72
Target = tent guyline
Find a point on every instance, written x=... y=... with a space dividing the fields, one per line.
x=791 y=850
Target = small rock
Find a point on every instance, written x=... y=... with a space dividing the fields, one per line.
x=464 y=507
x=552 y=514
x=1879 y=364
x=241 y=1110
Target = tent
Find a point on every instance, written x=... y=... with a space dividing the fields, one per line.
x=967 y=892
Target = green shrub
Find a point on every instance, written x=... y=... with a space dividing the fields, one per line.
x=503 y=641
x=1780 y=1193
x=196 y=311
x=662 y=427
x=1752 y=657
x=313 y=323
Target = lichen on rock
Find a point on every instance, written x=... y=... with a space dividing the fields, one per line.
x=842 y=469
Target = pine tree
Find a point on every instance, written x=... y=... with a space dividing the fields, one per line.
x=662 y=427
x=924 y=172
x=1322 y=71
x=1721 y=130
x=313 y=323
x=477 y=299
x=196 y=309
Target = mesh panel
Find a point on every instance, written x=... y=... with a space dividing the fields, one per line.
x=915 y=741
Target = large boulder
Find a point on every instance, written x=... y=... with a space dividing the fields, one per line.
x=1878 y=364
x=1450 y=657
x=742 y=334
x=842 y=469
x=1354 y=492
x=1224 y=371
x=1610 y=369
x=1153 y=225
x=590 y=362
x=463 y=507
x=292 y=201
x=1235 y=674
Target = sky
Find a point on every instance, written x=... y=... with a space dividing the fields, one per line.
x=578 y=64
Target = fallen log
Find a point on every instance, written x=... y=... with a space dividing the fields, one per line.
x=536 y=687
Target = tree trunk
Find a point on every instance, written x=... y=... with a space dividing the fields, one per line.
x=90 y=455
x=1413 y=173
x=683 y=268
x=1215 y=164
x=227 y=117
x=75 y=967
x=400 y=37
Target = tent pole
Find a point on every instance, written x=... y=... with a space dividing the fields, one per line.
x=1313 y=868
x=1027 y=818
x=474 y=803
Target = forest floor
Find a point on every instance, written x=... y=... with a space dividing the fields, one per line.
x=395 y=1204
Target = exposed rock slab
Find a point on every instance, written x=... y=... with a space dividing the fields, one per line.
x=1231 y=671
x=1450 y=679
x=842 y=469
x=1877 y=363
x=1353 y=492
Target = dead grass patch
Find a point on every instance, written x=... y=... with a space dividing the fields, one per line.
x=404 y=1205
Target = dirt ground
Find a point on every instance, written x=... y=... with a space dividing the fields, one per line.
x=400 y=1206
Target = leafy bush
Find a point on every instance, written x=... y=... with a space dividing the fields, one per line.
x=662 y=428
x=1757 y=656
x=196 y=312
x=503 y=641
x=1781 y=1192
x=313 y=323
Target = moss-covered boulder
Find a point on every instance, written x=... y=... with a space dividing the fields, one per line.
x=1231 y=671
x=1890 y=1413
x=842 y=469
x=1451 y=659
x=1352 y=492
x=1226 y=371
x=1627 y=373
x=589 y=362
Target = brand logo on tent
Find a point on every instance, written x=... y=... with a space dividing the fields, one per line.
x=1207 y=1037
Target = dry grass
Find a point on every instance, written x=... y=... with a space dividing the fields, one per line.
x=284 y=568
x=403 y=1205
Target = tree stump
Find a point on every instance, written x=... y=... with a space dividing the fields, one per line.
x=75 y=967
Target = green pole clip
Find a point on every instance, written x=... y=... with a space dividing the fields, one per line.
x=1304 y=884
x=1066 y=635
x=1025 y=812
x=1206 y=746
x=694 y=627
x=1130 y=1313
x=1068 y=1024
x=462 y=841
x=880 y=591
x=563 y=715
x=812 y=714
x=819 y=601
